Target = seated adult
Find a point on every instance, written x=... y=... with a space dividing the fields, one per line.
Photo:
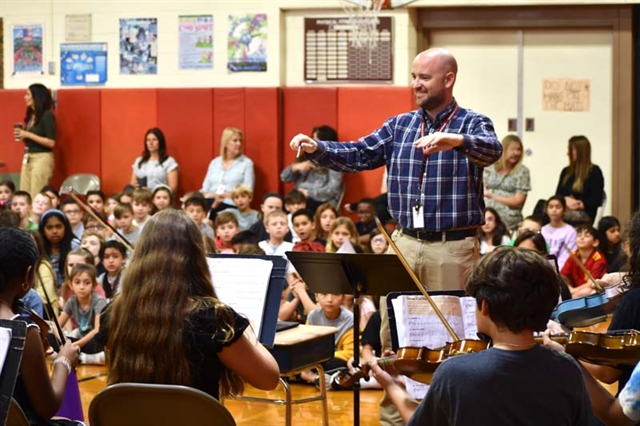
x=155 y=167
x=317 y=183
x=167 y=325
x=581 y=183
x=507 y=182
x=230 y=169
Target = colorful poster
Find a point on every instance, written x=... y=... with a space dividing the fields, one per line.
x=27 y=50
x=139 y=46
x=195 y=49
x=247 y=47
x=83 y=64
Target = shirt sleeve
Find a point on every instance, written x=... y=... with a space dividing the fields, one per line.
x=170 y=164
x=480 y=143
x=629 y=398
x=288 y=175
x=523 y=181
x=249 y=176
x=49 y=125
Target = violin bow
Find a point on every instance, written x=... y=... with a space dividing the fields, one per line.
x=72 y=192
x=416 y=280
x=577 y=260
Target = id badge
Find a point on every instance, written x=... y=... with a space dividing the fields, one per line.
x=25 y=159
x=418 y=216
x=220 y=189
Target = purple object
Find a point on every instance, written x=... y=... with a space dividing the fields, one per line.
x=71 y=404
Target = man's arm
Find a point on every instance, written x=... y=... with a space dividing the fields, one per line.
x=368 y=153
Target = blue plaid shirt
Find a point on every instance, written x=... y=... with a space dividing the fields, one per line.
x=452 y=194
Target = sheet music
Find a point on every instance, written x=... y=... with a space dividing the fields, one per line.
x=242 y=284
x=5 y=341
x=418 y=325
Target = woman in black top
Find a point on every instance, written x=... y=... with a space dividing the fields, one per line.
x=38 y=133
x=581 y=183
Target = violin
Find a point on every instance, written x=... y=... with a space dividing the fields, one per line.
x=589 y=310
x=30 y=316
x=613 y=348
x=418 y=364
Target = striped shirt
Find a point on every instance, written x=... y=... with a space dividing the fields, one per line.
x=452 y=193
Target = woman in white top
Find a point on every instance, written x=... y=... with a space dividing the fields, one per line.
x=155 y=167
x=228 y=170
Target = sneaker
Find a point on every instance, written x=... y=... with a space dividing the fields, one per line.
x=96 y=359
x=327 y=382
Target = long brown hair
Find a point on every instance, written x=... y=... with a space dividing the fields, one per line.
x=168 y=278
x=506 y=143
x=580 y=167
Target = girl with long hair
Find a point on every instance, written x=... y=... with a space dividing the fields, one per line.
x=581 y=183
x=167 y=324
x=155 y=166
x=58 y=239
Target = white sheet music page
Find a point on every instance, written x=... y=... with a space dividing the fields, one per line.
x=421 y=326
x=242 y=284
x=5 y=341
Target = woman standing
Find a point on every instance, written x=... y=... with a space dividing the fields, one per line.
x=229 y=169
x=507 y=183
x=39 y=136
x=581 y=183
x=155 y=167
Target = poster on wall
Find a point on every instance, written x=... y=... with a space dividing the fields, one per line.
x=247 y=44
x=195 y=35
x=27 y=50
x=77 y=28
x=139 y=46
x=566 y=94
x=83 y=64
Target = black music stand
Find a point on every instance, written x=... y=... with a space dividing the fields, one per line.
x=346 y=273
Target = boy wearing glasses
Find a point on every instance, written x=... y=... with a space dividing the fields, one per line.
x=74 y=214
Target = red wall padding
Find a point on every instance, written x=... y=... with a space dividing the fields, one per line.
x=125 y=114
x=228 y=111
x=102 y=131
x=262 y=136
x=78 y=134
x=186 y=119
x=12 y=110
x=360 y=111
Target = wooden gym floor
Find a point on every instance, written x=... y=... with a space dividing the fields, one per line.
x=93 y=378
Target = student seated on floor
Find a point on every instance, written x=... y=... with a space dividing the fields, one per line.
x=331 y=313
x=516 y=381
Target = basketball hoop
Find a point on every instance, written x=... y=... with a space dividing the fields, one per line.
x=363 y=20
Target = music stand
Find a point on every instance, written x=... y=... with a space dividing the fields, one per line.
x=357 y=274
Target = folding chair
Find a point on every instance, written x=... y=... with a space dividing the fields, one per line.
x=81 y=183
x=158 y=405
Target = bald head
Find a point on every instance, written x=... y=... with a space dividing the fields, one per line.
x=434 y=75
x=441 y=58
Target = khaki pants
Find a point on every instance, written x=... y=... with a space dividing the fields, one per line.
x=37 y=172
x=439 y=266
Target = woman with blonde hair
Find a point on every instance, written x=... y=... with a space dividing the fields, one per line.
x=230 y=169
x=581 y=183
x=167 y=325
x=507 y=182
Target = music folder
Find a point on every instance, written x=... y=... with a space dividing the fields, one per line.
x=252 y=285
